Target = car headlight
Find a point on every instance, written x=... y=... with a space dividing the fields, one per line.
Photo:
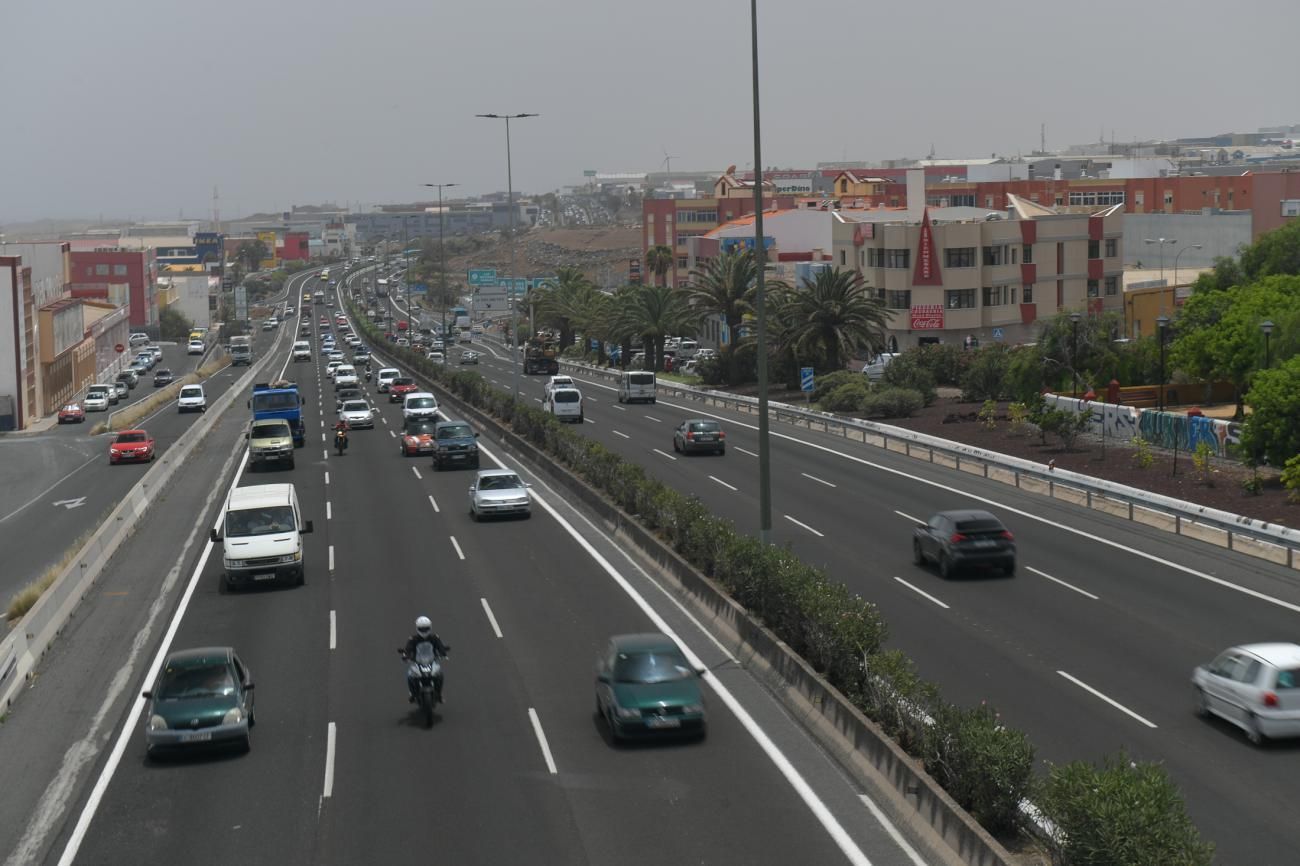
x=291 y=557
x=627 y=712
x=233 y=717
x=235 y=563
x=693 y=708
x=157 y=723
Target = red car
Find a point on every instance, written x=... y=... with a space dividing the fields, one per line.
x=417 y=437
x=400 y=387
x=134 y=446
x=72 y=414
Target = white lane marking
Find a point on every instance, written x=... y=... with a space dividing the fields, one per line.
x=653 y=418
x=591 y=399
x=907 y=516
x=456 y=544
x=327 y=478
x=129 y=729
x=743 y=451
x=385 y=418
x=392 y=435
x=624 y=435
x=1114 y=703
x=331 y=557
x=42 y=494
x=322 y=423
x=1062 y=583
x=541 y=739
x=333 y=631
x=892 y=831
x=723 y=483
x=326 y=452
x=921 y=592
x=434 y=503
x=417 y=473
x=818 y=480
x=588 y=420
x=621 y=408
x=331 y=738
x=805 y=526
x=663 y=453
x=329 y=510
x=496 y=629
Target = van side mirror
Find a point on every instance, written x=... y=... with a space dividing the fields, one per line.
x=307 y=528
x=475 y=435
x=214 y=535
x=147 y=694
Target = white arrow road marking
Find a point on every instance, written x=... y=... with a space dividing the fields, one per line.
x=71 y=503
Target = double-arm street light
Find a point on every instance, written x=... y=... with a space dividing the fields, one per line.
x=510 y=198
x=1179 y=253
x=442 y=265
x=1161 y=242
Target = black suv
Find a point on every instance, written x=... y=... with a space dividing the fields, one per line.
x=455 y=444
x=957 y=539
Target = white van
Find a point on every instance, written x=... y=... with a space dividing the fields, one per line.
x=635 y=386
x=385 y=378
x=261 y=536
x=560 y=381
x=419 y=404
x=302 y=351
x=192 y=399
x=565 y=403
x=875 y=368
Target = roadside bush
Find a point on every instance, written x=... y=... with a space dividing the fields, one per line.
x=1291 y=478
x=1142 y=456
x=989 y=414
x=985 y=376
x=986 y=767
x=1018 y=415
x=907 y=371
x=892 y=403
x=847 y=396
x=831 y=381
x=1120 y=814
x=946 y=363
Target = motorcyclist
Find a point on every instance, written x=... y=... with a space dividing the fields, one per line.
x=341 y=428
x=423 y=634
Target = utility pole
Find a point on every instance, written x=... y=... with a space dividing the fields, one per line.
x=760 y=323
x=442 y=256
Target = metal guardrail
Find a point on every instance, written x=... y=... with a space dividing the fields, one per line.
x=1243 y=534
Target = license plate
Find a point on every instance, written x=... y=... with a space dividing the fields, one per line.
x=267 y=576
x=197 y=737
x=662 y=722
x=985 y=543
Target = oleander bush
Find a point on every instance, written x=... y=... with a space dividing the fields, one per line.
x=891 y=403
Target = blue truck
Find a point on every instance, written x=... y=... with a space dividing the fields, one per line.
x=280 y=400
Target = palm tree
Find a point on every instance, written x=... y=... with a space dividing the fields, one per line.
x=834 y=315
x=654 y=312
x=659 y=261
x=563 y=302
x=725 y=288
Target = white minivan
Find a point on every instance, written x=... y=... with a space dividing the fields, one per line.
x=565 y=403
x=636 y=385
x=261 y=536
x=385 y=378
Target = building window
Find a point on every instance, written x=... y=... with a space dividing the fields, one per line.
x=1094 y=249
x=119 y=270
x=959 y=257
x=1013 y=296
x=899 y=300
x=962 y=200
x=101 y=270
x=988 y=201
x=959 y=299
x=843 y=260
x=992 y=296
x=1112 y=248
x=1092 y=288
x=1112 y=285
x=994 y=256
x=1027 y=253
x=898 y=258
x=1029 y=294
x=875 y=257
x=681 y=261
x=1169 y=198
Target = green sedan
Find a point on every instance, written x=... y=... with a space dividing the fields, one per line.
x=203 y=697
x=645 y=687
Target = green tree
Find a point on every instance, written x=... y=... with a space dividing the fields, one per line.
x=1096 y=358
x=1272 y=429
x=836 y=315
x=252 y=254
x=1225 y=274
x=1273 y=253
x=654 y=312
x=173 y=324
x=564 y=301
x=986 y=376
x=659 y=261
x=725 y=288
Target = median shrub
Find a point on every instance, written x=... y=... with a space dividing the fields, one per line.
x=986 y=767
x=824 y=385
x=892 y=403
x=847 y=396
x=908 y=371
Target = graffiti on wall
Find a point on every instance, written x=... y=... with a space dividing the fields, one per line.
x=1162 y=429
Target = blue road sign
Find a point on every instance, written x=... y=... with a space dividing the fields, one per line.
x=482 y=276
x=997 y=333
x=806 y=378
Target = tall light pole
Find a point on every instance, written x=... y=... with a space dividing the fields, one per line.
x=1267 y=327
x=1161 y=242
x=510 y=199
x=1074 y=350
x=1162 y=322
x=1179 y=253
x=760 y=317
x=442 y=256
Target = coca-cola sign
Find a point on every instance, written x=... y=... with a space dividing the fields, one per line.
x=927 y=317
x=927 y=271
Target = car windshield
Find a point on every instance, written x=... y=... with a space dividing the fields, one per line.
x=356 y=406
x=456 y=431
x=259 y=521
x=651 y=667
x=642 y=379
x=274 y=402
x=422 y=403
x=191 y=392
x=973 y=526
x=420 y=428
x=567 y=396
x=199 y=681
x=131 y=437
x=268 y=431
x=705 y=427
x=162 y=372
x=499 y=482
x=346 y=371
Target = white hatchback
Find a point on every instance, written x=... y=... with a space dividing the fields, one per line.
x=345 y=375
x=1255 y=687
x=419 y=404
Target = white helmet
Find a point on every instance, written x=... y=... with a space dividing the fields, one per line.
x=423 y=626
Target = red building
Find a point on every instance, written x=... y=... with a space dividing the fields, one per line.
x=669 y=222
x=136 y=268
x=295 y=247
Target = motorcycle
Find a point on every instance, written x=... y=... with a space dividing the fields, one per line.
x=425 y=673
x=367 y=375
x=341 y=441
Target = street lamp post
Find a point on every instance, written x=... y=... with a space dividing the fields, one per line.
x=510 y=199
x=1179 y=253
x=1267 y=327
x=760 y=316
x=1162 y=322
x=1161 y=242
x=442 y=257
x=1074 y=350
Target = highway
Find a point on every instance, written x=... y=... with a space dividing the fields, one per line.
x=516 y=765
x=1089 y=648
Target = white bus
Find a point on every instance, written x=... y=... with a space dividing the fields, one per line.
x=381 y=287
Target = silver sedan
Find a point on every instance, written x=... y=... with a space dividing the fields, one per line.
x=358 y=414
x=499 y=492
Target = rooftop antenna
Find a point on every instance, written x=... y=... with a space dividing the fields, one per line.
x=216 y=209
x=1042 y=138
x=668 y=163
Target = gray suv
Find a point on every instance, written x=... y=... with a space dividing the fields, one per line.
x=960 y=539
x=455 y=444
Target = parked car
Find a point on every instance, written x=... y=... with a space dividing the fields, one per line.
x=645 y=686
x=499 y=493
x=958 y=539
x=72 y=413
x=875 y=368
x=137 y=339
x=163 y=376
x=203 y=697
x=97 y=398
x=1255 y=687
x=131 y=446
x=156 y=351
x=130 y=377
x=700 y=434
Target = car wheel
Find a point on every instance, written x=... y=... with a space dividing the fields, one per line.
x=302 y=577
x=676 y=449
x=1202 y=704
x=918 y=557
x=722 y=450
x=290 y=462
x=528 y=515
x=246 y=744
x=945 y=567
x=1010 y=568
x=1253 y=733
x=223 y=585
x=473 y=515
x=614 y=735
x=652 y=401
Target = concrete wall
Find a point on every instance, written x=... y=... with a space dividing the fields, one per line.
x=1220 y=234
x=51 y=265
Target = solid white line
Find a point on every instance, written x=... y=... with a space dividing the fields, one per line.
x=818 y=480
x=1062 y=583
x=331 y=737
x=624 y=435
x=906 y=516
x=805 y=526
x=892 y=831
x=921 y=592
x=653 y=418
x=541 y=739
x=456 y=544
x=329 y=510
x=417 y=473
x=723 y=483
x=331 y=557
x=333 y=631
x=492 y=619
x=434 y=503
x=1116 y=704
x=743 y=451
x=663 y=453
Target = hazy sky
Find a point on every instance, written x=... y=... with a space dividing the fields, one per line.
x=136 y=108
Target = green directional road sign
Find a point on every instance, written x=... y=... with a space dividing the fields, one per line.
x=482 y=276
